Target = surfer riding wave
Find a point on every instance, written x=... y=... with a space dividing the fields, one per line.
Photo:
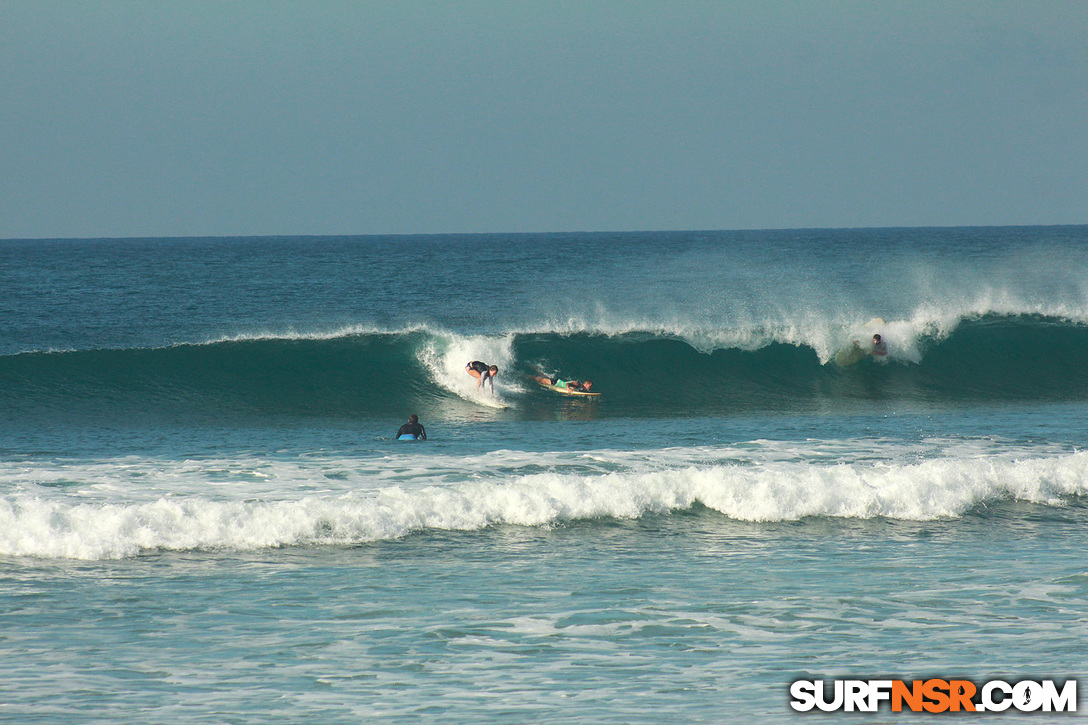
x=483 y=372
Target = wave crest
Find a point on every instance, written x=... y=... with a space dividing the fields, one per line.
x=655 y=372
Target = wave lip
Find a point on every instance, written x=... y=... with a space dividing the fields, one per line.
x=780 y=491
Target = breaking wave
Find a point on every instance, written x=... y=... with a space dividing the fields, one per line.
x=37 y=522
x=640 y=372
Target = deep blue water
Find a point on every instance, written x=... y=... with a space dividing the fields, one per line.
x=204 y=516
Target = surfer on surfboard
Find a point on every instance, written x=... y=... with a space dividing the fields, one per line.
x=483 y=372
x=412 y=430
x=571 y=385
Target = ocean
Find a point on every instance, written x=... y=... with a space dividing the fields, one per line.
x=205 y=515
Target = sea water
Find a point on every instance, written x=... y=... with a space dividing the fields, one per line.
x=205 y=518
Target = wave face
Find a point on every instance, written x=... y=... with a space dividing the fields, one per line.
x=651 y=373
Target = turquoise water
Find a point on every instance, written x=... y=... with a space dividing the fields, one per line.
x=204 y=517
x=690 y=616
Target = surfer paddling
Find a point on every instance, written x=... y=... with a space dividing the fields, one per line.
x=483 y=372
x=571 y=385
x=880 y=348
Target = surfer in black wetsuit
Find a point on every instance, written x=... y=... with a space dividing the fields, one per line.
x=483 y=372
x=412 y=427
x=880 y=347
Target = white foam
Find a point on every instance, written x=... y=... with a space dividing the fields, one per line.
x=110 y=517
x=290 y=333
x=446 y=355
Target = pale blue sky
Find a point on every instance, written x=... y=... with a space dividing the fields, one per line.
x=197 y=118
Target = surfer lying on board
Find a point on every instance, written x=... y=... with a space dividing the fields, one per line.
x=482 y=372
x=582 y=386
x=413 y=428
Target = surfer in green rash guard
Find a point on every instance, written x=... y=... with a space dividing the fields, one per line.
x=573 y=385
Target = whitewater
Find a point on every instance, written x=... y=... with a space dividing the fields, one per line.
x=205 y=515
